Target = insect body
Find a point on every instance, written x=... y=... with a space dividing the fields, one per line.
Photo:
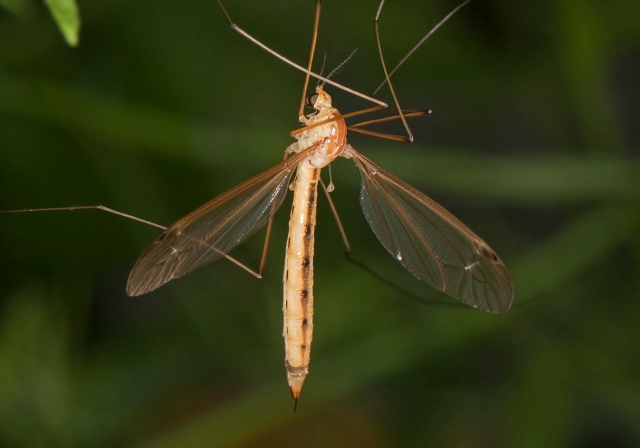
x=326 y=142
x=425 y=238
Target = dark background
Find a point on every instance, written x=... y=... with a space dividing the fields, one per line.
x=533 y=143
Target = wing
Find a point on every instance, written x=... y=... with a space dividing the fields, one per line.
x=211 y=231
x=430 y=242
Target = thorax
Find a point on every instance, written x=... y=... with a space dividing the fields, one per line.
x=329 y=139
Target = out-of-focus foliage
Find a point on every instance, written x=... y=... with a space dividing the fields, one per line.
x=67 y=17
x=533 y=142
x=64 y=12
x=18 y=7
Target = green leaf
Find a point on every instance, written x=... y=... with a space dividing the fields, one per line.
x=67 y=16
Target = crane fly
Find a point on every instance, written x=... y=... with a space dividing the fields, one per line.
x=425 y=238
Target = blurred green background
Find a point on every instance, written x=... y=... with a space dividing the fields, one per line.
x=533 y=143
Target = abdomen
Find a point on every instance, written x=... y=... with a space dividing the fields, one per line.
x=298 y=278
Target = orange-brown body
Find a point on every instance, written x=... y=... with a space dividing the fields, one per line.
x=329 y=141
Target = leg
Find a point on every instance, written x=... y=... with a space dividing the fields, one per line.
x=267 y=237
x=314 y=40
x=297 y=66
x=438 y=25
x=347 y=246
x=124 y=215
x=87 y=207
x=386 y=73
x=356 y=127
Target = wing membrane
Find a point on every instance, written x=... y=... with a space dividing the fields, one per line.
x=430 y=242
x=211 y=231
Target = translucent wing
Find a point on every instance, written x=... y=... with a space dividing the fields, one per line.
x=430 y=242
x=211 y=231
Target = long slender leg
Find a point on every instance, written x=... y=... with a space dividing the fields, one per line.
x=438 y=25
x=312 y=52
x=356 y=127
x=125 y=215
x=337 y=117
x=297 y=66
x=343 y=234
x=265 y=247
x=397 y=138
x=406 y=113
x=86 y=207
x=401 y=113
x=386 y=73
x=267 y=237
x=400 y=138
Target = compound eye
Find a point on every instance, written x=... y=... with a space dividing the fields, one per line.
x=311 y=100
